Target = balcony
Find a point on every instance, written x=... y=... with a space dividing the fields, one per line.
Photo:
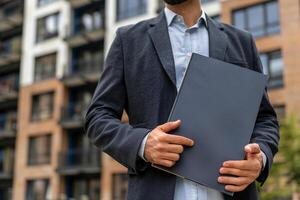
x=79 y=161
x=10 y=50
x=9 y=86
x=88 y=25
x=78 y=3
x=8 y=126
x=11 y=15
x=6 y=164
x=73 y=115
x=84 y=72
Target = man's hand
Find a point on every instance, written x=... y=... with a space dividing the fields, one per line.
x=246 y=171
x=164 y=149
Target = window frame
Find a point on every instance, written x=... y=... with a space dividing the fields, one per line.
x=265 y=27
x=33 y=160
x=55 y=35
x=280 y=78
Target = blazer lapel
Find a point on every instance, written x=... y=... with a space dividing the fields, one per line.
x=160 y=37
x=218 y=40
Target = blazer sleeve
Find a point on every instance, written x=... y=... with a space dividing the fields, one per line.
x=266 y=129
x=103 y=123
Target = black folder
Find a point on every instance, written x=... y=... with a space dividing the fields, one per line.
x=218 y=103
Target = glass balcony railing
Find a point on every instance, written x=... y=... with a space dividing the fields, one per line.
x=10 y=49
x=9 y=86
x=73 y=115
x=84 y=71
x=8 y=124
x=11 y=15
x=80 y=159
x=6 y=163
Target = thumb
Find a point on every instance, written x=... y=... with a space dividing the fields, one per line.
x=169 y=126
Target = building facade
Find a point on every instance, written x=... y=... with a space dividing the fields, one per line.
x=11 y=17
x=46 y=88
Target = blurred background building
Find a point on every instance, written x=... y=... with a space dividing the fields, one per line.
x=51 y=57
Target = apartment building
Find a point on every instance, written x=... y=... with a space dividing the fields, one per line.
x=64 y=44
x=10 y=55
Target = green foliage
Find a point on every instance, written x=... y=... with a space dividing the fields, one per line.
x=290 y=149
x=284 y=178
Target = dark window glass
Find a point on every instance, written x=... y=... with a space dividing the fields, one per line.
x=272 y=18
x=120 y=185
x=280 y=111
x=47 y=27
x=38 y=189
x=89 y=18
x=6 y=191
x=45 y=67
x=11 y=9
x=39 y=150
x=8 y=122
x=6 y=161
x=9 y=85
x=10 y=46
x=79 y=100
x=87 y=59
x=83 y=187
x=42 y=106
x=130 y=8
x=260 y=20
x=256 y=20
x=273 y=66
x=44 y=2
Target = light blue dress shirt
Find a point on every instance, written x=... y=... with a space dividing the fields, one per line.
x=184 y=42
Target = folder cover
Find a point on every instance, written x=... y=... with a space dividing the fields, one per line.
x=218 y=103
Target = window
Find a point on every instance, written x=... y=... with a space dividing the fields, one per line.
x=6 y=160
x=44 y=2
x=8 y=122
x=39 y=151
x=47 y=27
x=273 y=66
x=45 y=67
x=280 y=111
x=130 y=8
x=260 y=20
x=83 y=187
x=10 y=46
x=89 y=18
x=42 y=106
x=88 y=58
x=120 y=185
x=38 y=190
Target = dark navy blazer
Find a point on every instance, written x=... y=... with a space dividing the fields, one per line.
x=139 y=76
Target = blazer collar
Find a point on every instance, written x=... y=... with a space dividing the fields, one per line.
x=159 y=34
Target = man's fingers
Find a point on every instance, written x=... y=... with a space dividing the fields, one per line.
x=234 y=188
x=252 y=148
x=234 y=171
x=239 y=164
x=177 y=139
x=166 y=163
x=227 y=180
x=170 y=156
x=172 y=148
x=169 y=126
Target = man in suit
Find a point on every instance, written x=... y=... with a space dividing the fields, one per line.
x=143 y=72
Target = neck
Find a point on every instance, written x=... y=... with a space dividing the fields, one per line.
x=190 y=10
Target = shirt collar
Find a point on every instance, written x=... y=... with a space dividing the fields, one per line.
x=170 y=16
